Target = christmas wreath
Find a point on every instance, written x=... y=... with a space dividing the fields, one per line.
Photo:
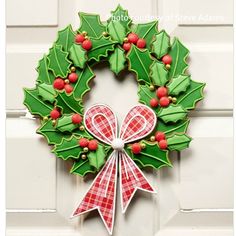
x=64 y=76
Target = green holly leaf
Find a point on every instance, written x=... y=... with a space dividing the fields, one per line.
x=151 y=156
x=158 y=73
x=97 y=158
x=35 y=104
x=101 y=47
x=178 y=84
x=117 y=31
x=82 y=85
x=68 y=148
x=117 y=60
x=91 y=23
x=66 y=38
x=69 y=104
x=192 y=95
x=82 y=167
x=147 y=31
x=47 y=92
x=51 y=134
x=140 y=62
x=65 y=124
x=44 y=74
x=58 y=61
x=179 y=54
x=178 y=142
x=161 y=44
x=78 y=55
x=122 y=16
x=145 y=94
x=169 y=129
x=172 y=113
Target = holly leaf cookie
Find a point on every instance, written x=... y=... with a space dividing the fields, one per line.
x=117 y=60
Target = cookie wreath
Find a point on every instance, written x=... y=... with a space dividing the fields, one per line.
x=64 y=76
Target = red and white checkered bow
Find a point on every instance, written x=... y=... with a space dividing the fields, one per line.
x=101 y=122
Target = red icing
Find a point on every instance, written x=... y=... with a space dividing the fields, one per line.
x=73 y=77
x=93 y=145
x=164 y=101
x=68 y=88
x=79 y=38
x=159 y=136
x=167 y=59
x=163 y=144
x=161 y=92
x=136 y=148
x=154 y=102
x=59 y=84
x=126 y=46
x=141 y=43
x=133 y=38
x=87 y=44
x=83 y=142
x=55 y=114
x=76 y=119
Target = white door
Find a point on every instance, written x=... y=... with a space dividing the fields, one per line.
x=195 y=198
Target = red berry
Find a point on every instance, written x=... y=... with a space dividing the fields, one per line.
x=162 y=92
x=136 y=148
x=79 y=38
x=153 y=102
x=164 y=101
x=55 y=114
x=126 y=46
x=73 y=77
x=133 y=38
x=163 y=144
x=76 y=119
x=93 y=145
x=141 y=43
x=87 y=44
x=59 y=84
x=83 y=142
x=167 y=59
x=159 y=136
x=68 y=88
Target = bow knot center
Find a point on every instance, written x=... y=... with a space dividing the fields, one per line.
x=118 y=144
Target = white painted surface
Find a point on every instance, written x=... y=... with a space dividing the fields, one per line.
x=201 y=178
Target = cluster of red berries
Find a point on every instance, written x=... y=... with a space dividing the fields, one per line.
x=159 y=137
x=60 y=84
x=133 y=38
x=92 y=145
x=84 y=41
x=162 y=94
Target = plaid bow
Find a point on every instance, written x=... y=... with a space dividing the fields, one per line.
x=101 y=122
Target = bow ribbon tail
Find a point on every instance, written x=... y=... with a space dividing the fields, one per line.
x=101 y=194
x=131 y=179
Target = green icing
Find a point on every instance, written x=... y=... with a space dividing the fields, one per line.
x=145 y=94
x=69 y=104
x=101 y=47
x=117 y=60
x=169 y=129
x=147 y=31
x=178 y=84
x=192 y=95
x=122 y=16
x=35 y=104
x=47 y=92
x=140 y=62
x=52 y=135
x=97 y=158
x=158 y=73
x=82 y=167
x=172 y=113
x=64 y=124
x=178 y=142
x=151 y=156
x=117 y=31
x=58 y=61
x=68 y=148
x=91 y=23
x=66 y=38
x=78 y=55
x=161 y=44
x=179 y=54
x=82 y=85
x=44 y=74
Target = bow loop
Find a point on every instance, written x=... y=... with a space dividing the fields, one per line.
x=138 y=123
x=101 y=122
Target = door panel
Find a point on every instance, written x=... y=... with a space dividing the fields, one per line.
x=193 y=198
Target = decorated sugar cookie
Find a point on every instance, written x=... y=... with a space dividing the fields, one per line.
x=92 y=139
